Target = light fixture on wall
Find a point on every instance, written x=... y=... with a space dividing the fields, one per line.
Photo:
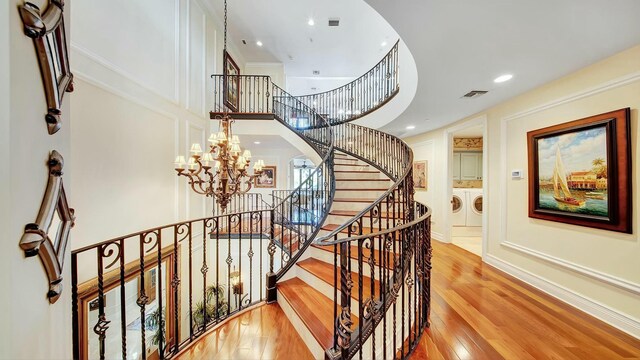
x=221 y=172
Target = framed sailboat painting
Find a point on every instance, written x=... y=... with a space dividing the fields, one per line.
x=580 y=172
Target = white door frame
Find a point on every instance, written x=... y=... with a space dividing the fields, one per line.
x=448 y=181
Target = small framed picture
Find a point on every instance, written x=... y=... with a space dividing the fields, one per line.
x=231 y=83
x=420 y=175
x=581 y=172
x=267 y=179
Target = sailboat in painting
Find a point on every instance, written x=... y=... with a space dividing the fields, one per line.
x=560 y=184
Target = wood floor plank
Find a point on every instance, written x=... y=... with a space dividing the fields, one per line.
x=261 y=333
x=479 y=312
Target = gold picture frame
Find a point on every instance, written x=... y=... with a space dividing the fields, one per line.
x=267 y=179
x=420 y=180
x=231 y=83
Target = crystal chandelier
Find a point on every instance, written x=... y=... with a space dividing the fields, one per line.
x=220 y=172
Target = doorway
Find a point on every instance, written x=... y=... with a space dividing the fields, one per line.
x=466 y=184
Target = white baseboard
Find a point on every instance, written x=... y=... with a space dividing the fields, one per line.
x=612 y=317
x=437 y=236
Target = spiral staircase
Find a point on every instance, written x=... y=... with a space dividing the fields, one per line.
x=346 y=254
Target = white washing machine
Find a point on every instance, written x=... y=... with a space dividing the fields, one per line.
x=474 y=207
x=459 y=207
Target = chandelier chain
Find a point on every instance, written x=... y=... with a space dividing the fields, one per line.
x=225 y=25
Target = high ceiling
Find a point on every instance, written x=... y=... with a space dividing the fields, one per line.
x=339 y=53
x=457 y=46
x=464 y=45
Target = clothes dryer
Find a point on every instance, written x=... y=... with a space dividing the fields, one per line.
x=459 y=207
x=474 y=207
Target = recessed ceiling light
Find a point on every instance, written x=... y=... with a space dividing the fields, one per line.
x=257 y=142
x=259 y=43
x=503 y=78
x=411 y=127
x=311 y=22
x=384 y=43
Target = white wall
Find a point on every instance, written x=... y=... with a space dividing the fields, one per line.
x=25 y=145
x=5 y=148
x=142 y=82
x=274 y=70
x=595 y=270
x=279 y=157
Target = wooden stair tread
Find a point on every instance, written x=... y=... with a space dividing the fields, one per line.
x=354 y=200
x=365 y=253
x=314 y=309
x=365 y=230
x=350 y=213
x=324 y=272
x=363 y=179
x=362 y=189
x=347 y=164
x=359 y=200
x=356 y=172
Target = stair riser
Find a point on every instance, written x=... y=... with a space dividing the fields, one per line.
x=350 y=161
x=376 y=244
x=356 y=194
x=366 y=222
x=322 y=286
x=358 y=206
x=327 y=257
x=357 y=175
x=353 y=168
x=364 y=183
x=349 y=206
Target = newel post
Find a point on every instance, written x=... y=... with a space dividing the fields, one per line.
x=272 y=294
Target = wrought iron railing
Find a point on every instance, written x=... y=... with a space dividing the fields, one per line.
x=242 y=202
x=294 y=234
x=361 y=96
x=153 y=292
x=159 y=283
x=164 y=290
x=254 y=93
x=390 y=243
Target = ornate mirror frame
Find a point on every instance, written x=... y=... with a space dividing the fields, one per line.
x=36 y=239
x=48 y=34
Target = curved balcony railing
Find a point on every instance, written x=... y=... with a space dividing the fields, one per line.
x=152 y=293
x=361 y=96
x=315 y=194
x=392 y=240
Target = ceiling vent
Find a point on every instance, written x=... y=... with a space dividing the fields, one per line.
x=334 y=22
x=474 y=93
x=316 y=72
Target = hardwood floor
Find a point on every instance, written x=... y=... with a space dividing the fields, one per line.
x=262 y=333
x=477 y=313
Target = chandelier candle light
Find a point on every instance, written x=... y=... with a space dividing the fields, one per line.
x=220 y=172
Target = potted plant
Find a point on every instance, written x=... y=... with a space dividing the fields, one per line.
x=202 y=316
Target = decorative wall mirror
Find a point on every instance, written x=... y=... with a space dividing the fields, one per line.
x=48 y=34
x=48 y=236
